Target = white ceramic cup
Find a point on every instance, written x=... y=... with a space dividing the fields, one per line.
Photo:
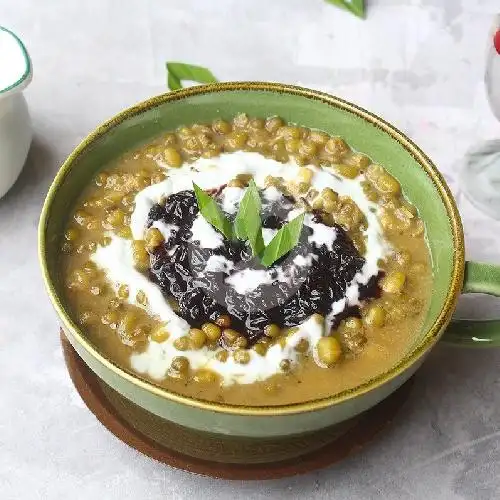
x=15 y=123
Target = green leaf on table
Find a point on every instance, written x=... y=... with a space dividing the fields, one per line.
x=357 y=7
x=178 y=72
x=284 y=241
x=247 y=224
x=212 y=212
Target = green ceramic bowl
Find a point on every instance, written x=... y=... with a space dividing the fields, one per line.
x=422 y=184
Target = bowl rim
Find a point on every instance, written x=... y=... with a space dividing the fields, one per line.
x=429 y=339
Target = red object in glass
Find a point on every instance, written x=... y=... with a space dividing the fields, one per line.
x=496 y=41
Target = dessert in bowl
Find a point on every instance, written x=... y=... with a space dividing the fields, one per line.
x=252 y=259
x=165 y=293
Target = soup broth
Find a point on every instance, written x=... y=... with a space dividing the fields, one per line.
x=162 y=292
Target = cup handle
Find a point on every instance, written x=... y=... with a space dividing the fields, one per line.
x=479 y=278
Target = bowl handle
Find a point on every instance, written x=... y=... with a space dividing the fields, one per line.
x=479 y=278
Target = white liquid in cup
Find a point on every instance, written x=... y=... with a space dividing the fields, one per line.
x=15 y=123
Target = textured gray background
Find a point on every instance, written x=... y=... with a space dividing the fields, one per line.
x=418 y=63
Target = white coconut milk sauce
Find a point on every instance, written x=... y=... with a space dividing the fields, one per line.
x=116 y=260
x=12 y=60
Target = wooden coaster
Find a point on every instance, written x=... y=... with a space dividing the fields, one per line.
x=149 y=433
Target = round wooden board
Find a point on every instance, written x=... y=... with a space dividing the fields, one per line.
x=112 y=409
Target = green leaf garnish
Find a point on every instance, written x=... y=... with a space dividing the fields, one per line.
x=284 y=240
x=178 y=72
x=357 y=7
x=212 y=212
x=247 y=224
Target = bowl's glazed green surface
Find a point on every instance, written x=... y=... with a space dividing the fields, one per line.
x=421 y=182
